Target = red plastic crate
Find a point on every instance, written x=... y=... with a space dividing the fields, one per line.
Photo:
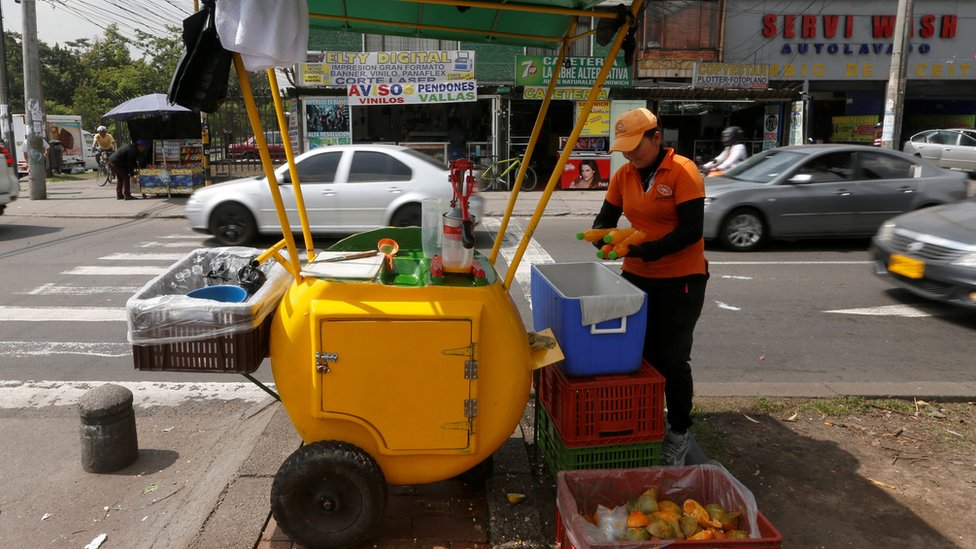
x=599 y=410
x=580 y=492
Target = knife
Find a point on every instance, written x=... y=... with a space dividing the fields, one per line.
x=359 y=255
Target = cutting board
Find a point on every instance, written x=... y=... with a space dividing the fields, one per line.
x=362 y=268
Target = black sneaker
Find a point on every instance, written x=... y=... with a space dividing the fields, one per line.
x=130 y=197
x=675 y=449
x=120 y=197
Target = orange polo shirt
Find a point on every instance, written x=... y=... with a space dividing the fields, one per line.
x=676 y=180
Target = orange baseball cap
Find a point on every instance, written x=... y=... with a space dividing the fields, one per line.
x=630 y=128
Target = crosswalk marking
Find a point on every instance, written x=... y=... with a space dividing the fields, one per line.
x=62 y=314
x=48 y=348
x=534 y=254
x=165 y=245
x=906 y=311
x=52 y=288
x=38 y=394
x=115 y=270
x=143 y=257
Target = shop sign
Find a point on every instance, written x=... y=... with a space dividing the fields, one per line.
x=598 y=122
x=563 y=94
x=842 y=40
x=771 y=127
x=796 y=123
x=853 y=129
x=575 y=72
x=326 y=122
x=731 y=76
x=413 y=93
x=339 y=68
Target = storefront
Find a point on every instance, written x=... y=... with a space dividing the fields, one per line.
x=839 y=52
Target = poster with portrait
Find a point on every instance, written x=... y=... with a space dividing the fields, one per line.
x=327 y=122
x=586 y=173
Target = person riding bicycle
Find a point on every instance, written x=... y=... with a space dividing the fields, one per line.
x=733 y=153
x=103 y=144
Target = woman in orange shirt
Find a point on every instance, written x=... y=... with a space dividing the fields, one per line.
x=663 y=195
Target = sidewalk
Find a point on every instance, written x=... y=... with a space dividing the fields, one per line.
x=84 y=198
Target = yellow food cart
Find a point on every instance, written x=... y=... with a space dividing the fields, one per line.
x=392 y=369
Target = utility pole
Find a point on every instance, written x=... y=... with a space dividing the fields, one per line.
x=33 y=104
x=6 y=118
x=895 y=96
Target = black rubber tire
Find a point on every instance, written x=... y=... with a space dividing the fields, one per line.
x=104 y=176
x=329 y=494
x=528 y=184
x=232 y=224
x=743 y=230
x=408 y=215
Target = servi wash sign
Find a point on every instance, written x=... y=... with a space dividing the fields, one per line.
x=395 y=78
x=819 y=40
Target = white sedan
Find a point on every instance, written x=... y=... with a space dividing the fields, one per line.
x=346 y=188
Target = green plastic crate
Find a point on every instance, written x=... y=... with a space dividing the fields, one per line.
x=560 y=458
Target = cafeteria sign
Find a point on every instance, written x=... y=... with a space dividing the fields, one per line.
x=338 y=68
x=575 y=72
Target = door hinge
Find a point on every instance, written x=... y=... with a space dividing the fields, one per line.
x=470 y=408
x=471 y=369
x=322 y=360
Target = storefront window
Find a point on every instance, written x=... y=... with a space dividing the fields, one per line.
x=681 y=25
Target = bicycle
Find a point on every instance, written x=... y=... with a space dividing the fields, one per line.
x=105 y=174
x=495 y=176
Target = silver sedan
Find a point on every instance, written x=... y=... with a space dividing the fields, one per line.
x=953 y=149
x=346 y=189
x=818 y=191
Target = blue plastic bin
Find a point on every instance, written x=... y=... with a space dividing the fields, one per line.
x=564 y=294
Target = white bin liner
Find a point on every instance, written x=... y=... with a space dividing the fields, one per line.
x=161 y=313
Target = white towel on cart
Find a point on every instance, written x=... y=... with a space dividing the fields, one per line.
x=266 y=33
x=601 y=308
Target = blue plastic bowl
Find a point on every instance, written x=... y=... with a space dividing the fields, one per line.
x=224 y=293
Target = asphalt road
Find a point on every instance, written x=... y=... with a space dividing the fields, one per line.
x=797 y=313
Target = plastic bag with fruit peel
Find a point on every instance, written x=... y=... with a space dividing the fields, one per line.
x=579 y=493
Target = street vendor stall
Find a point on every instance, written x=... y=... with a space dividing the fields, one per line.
x=174 y=164
x=398 y=353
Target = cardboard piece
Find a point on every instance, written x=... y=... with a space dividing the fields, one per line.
x=363 y=268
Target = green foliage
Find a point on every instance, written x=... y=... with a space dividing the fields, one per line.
x=90 y=76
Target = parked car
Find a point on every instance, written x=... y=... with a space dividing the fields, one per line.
x=952 y=149
x=9 y=180
x=346 y=188
x=817 y=191
x=931 y=252
x=248 y=150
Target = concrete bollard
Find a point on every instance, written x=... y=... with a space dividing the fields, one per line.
x=108 y=429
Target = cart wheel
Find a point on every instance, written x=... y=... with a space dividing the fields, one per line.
x=329 y=494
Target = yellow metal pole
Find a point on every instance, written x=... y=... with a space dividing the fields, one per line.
x=536 y=130
x=292 y=169
x=557 y=171
x=252 y=114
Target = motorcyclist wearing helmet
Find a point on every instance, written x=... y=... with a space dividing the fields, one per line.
x=733 y=153
x=103 y=144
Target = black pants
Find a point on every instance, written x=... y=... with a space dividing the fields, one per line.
x=121 y=180
x=673 y=308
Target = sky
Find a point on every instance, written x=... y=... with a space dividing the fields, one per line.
x=60 y=21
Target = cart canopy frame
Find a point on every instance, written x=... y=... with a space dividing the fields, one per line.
x=534 y=23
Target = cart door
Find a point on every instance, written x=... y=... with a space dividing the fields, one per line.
x=406 y=378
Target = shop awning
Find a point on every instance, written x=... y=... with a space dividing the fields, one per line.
x=541 y=23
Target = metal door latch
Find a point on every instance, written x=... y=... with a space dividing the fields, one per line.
x=322 y=360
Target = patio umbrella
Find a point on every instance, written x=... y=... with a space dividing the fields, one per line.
x=154 y=104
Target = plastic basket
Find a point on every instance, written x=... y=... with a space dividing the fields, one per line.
x=560 y=458
x=599 y=410
x=770 y=538
x=239 y=353
x=579 y=493
x=598 y=318
x=172 y=331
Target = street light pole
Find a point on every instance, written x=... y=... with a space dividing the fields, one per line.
x=33 y=104
x=895 y=96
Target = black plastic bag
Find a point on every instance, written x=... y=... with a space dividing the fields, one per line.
x=200 y=80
